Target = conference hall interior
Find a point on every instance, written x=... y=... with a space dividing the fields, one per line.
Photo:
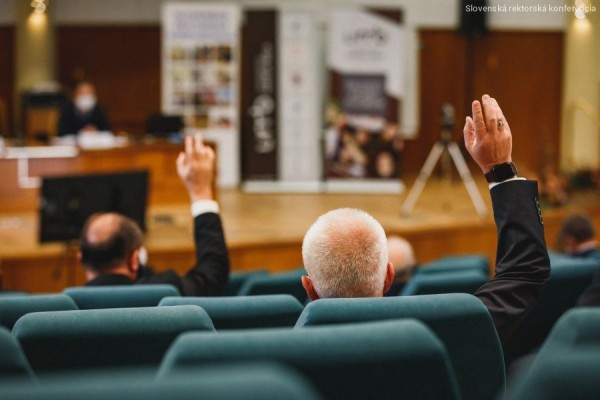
x=318 y=199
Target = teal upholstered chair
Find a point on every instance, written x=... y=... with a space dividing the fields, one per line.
x=13 y=363
x=568 y=279
x=105 y=338
x=578 y=328
x=388 y=359
x=14 y=307
x=461 y=321
x=573 y=375
x=462 y=281
x=243 y=312
x=284 y=283
x=567 y=365
x=255 y=381
x=10 y=293
x=477 y=262
x=237 y=279
x=95 y=297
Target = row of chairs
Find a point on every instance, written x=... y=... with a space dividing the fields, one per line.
x=452 y=334
x=455 y=274
x=232 y=381
x=400 y=357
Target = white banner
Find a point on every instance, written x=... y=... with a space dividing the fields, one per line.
x=367 y=66
x=200 y=75
x=300 y=109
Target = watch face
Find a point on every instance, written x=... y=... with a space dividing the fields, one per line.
x=501 y=172
x=504 y=171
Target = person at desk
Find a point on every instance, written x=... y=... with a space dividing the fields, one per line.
x=83 y=113
x=111 y=244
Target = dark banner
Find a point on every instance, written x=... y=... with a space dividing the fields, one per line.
x=259 y=96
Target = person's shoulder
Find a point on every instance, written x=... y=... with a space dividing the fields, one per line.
x=168 y=276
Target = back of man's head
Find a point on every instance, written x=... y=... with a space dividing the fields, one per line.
x=402 y=257
x=345 y=254
x=575 y=230
x=108 y=240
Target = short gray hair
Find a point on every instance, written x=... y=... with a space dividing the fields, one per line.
x=345 y=254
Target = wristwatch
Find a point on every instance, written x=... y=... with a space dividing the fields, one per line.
x=501 y=172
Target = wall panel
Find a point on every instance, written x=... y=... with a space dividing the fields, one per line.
x=123 y=62
x=7 y=74
x=523 y=70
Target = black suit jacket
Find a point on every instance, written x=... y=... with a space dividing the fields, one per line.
x=207 y=278
x=71 y=120
x=522 y=262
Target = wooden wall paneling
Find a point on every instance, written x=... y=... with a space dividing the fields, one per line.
x=124 y=64
x=7 y=74
x=441 y=80
x=523 y=70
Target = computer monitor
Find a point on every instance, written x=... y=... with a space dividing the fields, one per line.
x=161 y=125
x=66 y=202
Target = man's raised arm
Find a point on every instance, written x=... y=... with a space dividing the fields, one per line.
x=522 y=262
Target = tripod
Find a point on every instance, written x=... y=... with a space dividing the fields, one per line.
x=445 y=144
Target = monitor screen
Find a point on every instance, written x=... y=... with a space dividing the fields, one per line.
x=66 y=202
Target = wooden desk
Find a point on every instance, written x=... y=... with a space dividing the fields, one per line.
x=158 y=157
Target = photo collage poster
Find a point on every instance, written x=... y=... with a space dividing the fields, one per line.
x=200 y=68
x=362 y=114
x=199 y=63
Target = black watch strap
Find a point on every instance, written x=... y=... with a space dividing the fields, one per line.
x=501 y=172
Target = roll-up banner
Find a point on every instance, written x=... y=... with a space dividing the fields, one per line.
x=281 y=111
x=259 y=106
x=363 y=144
x=200 y=70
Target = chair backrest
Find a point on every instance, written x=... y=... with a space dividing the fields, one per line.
x=251 y=381
x=577 y=328
x=104 y=338
x=568 y=361
x=477 y=262
x=88 y=298
x=237 y=279
x=285 y=283
x=573 y=375
x=568 y=279
x=461 y=321
x=353 y=361
x=13 y=363
x=461 y=281
x=242 y=312
x=14 y=307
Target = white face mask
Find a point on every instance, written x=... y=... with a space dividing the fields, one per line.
x=85 y=102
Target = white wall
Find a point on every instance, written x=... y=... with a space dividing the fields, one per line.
x=7 y=12
x=420 y=13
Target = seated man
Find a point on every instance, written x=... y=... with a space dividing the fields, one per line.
x=577 y=237
x=402 y=257
x=345 y=252
x=111 y=243
x=83 y=114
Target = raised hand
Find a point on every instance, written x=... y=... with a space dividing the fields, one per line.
x=196 y=168
x=487 y=134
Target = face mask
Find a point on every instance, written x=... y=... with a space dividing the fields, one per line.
x=85 y=102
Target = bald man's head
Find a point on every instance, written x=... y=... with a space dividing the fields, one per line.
x=108 y=240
